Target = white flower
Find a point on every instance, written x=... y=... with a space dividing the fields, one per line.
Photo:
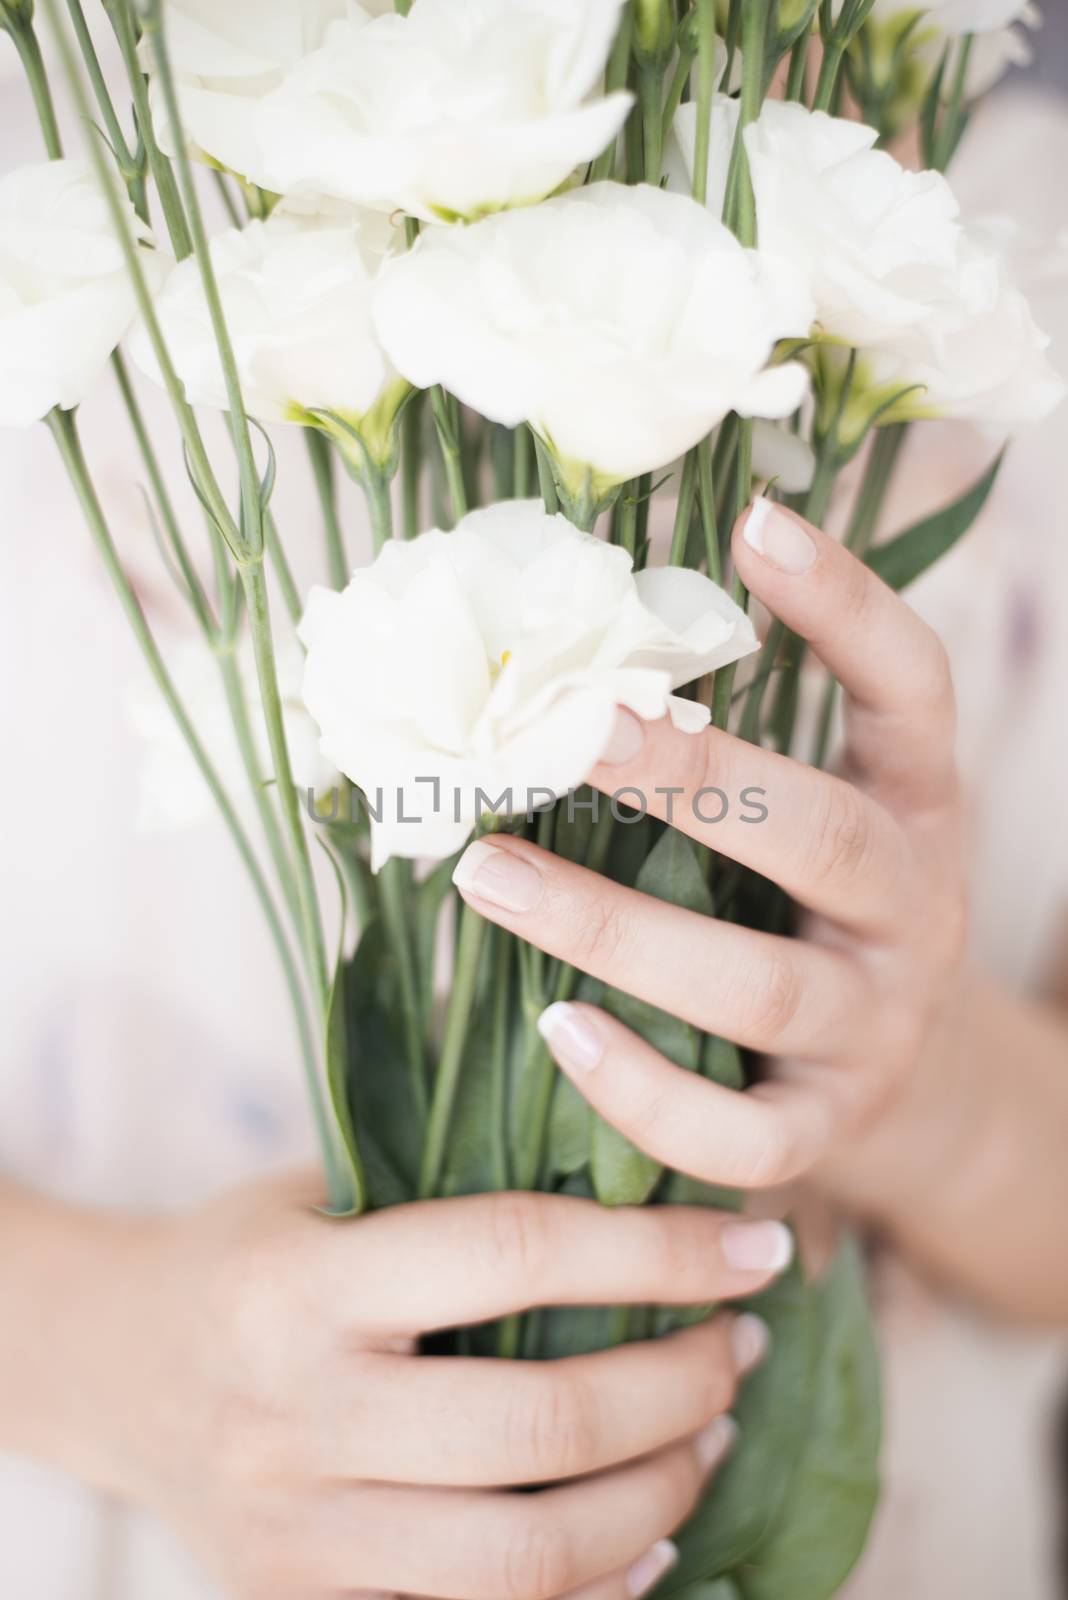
x=953 y=17
x=873 y=239
x=461 y=108
x=782 y=458
x=491 y=659
x=296 y=292
x=172 y=793
x=981 y=358
x=65 y=297
x=892 y=270
x=621 y=323
x=227 y=56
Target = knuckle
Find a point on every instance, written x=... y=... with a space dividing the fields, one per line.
x=770 y=999
x=517 y=1236
x=603 y=934
x=842 y=842
x=554 y=1433
x=536 y=1561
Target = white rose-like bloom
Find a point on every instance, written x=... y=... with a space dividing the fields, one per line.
x=65 y=297
x=463 y=107
x=981 y=359
x=172 y=793
x=491 y=660
x=227 y=56
x=296 y=293
x=460 y=108
x=873 y=239
x=622 y=323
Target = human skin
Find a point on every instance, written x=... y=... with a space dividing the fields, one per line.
x=899 y=1079
x=249 y=1372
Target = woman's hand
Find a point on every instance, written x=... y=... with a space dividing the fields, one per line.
x=875 y=857
x=255 y=1382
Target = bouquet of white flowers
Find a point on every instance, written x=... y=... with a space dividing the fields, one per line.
x=540 y=266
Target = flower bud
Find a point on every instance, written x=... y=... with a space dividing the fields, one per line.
x=654 y=29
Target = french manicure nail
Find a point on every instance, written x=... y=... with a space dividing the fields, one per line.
x=574 y=1041
x=497 y=876
x=779 y=538
x=714 y=1442
x=626 y=741
x=752 y=1246
x=750 y=1339
x=648 y=1570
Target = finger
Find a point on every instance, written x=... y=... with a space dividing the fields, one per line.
x=448 y=1263
x=893 y=668
x=475 y=1423
x=826 y=843
x=779 y=996
x=474 y=1545
x=638 y=1580
x=766 y=1136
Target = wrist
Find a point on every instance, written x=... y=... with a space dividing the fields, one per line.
x=69 y=1350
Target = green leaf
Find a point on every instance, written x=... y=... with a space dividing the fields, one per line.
x=901 y=560
x=748 y=1493
x=815 y=1541
x=569 y=1129
x=380 y=1087
x=623 y=1174
x=721 y=1062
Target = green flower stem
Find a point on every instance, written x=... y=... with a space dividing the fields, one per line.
x=679 y=79
x=628 y=519
x=546 y=481
x=650 y=93
x=447 y=423
x=322 y=465
x=394 y=885
x=64 y=431
x=740 y=206
x=502 y=971
x=287 y=584
x=220 y=635
x=447 y=1080
x=199 y=464
x=833 y=56
x=706 y=88
x=878 y=476
x=795 y=82
x=25 y=41
x=615 y=78
x=376 y=489
x=131 y=162
x=531 y=1154
x=411 y=464
x=521 y=462
x=194 y=589
x=252 y=533
x=680 y=536
x=255 y=589
x=709 y=520
x=126 y=31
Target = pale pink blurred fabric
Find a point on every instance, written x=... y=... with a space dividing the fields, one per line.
x=147 y=1050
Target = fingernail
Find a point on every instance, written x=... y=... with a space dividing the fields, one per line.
x=648 y=1570
x=714 y=1442
x=497 y=876
x=776 y=536
x=750 y=1338
x=574 y=1041
x=757 y=1246
x=626 y=741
